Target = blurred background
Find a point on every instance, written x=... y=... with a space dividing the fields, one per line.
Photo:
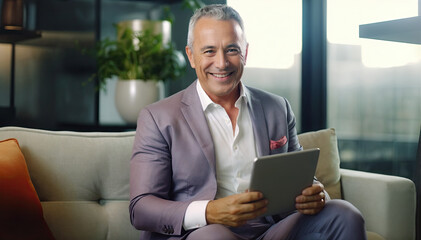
x=310 y=52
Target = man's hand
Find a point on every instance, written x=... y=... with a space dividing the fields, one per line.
x=236 y=209
x=312 y=200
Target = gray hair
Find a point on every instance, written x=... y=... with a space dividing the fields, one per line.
x=215 y=11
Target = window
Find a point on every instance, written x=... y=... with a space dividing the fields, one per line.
x=274 y=55
x=374 y=87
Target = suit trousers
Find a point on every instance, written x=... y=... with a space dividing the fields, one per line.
x=339 y=220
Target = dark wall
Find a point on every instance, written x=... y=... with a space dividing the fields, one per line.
x=52 y=91
x=50 y=71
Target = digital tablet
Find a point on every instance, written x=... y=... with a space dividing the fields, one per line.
x=282 y=177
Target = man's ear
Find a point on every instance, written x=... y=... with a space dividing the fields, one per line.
x=245 y=55
x=189 y=53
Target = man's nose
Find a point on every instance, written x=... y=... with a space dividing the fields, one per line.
x=221 y=60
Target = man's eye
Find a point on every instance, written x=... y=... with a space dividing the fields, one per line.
x=233 y=51
x=208 y=51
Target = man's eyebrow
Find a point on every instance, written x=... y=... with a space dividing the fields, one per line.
x=233 y=45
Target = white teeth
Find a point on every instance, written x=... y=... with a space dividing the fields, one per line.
x=220 y=75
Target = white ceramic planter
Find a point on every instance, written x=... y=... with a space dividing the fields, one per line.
x=131 y=96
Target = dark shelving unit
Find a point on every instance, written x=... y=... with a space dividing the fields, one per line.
x=15 y=36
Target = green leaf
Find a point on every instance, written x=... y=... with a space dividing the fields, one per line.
x=149 y=59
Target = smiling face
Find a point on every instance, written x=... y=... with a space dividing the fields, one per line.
x=219 y=54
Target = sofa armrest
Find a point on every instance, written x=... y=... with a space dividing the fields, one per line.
x=387 y=203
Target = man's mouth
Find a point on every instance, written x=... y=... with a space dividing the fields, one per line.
x=221 y=75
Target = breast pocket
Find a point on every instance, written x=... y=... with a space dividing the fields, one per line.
x=282 y=149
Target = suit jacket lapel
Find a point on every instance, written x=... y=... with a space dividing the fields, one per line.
x=193 y=113
x=260 y=129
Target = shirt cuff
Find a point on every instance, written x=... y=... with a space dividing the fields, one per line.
x=195 y=216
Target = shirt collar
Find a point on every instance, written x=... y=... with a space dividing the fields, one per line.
x=206 y=101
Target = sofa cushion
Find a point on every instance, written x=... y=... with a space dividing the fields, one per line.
x=21 y=215
x=328 y=166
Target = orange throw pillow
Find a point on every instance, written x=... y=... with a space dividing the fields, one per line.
x=21 y=215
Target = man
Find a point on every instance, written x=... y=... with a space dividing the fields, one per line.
x=193 y=152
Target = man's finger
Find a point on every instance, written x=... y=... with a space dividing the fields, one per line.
x=255 y=206
x=311 y=198
x=314 y=189
x=248 y=197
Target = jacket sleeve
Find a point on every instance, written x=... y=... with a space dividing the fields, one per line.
x=294 y=144
x=151 y=181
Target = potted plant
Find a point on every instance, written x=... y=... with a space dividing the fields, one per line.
x=139 y=58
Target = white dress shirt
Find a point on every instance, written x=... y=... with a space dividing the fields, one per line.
x=234 y=152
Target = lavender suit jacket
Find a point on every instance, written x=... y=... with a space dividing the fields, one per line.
x=173 y=161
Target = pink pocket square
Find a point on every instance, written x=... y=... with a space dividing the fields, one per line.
x=279 y=143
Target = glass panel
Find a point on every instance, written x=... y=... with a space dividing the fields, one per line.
x=274 y=55
x=374 y=88
x=5 y=60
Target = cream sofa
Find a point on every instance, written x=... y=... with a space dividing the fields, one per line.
x=82 y=180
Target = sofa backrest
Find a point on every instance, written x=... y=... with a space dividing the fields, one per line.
x=82 y=180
